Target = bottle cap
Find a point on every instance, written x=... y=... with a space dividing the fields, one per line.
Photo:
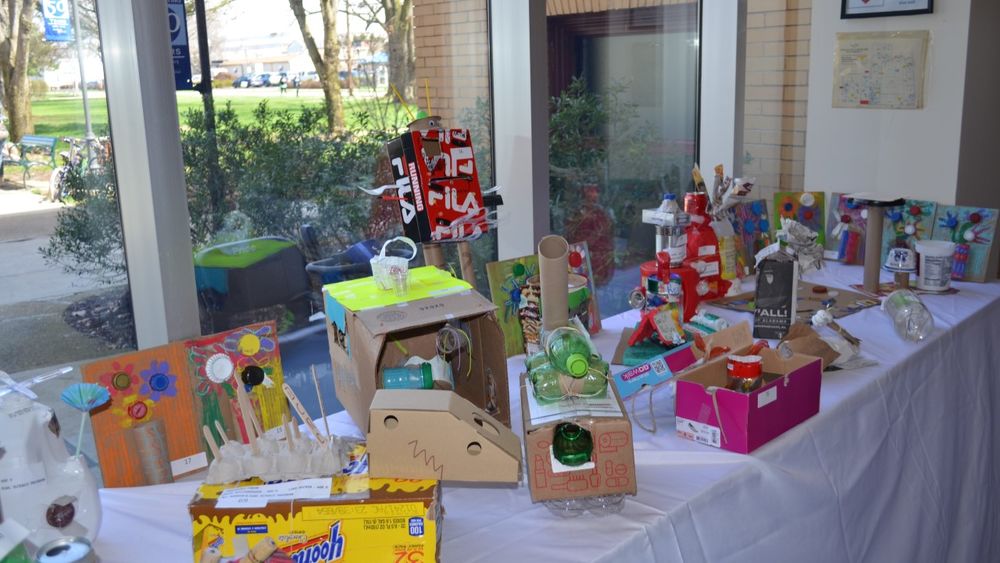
x=252 y=376
x=576 y=365
x=669 y=196
x=428 y=374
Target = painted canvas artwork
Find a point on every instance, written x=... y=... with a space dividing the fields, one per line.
x=807 y=208
x=516 y=291
x=586 y=305
x=972 y=230
x=845 y=225
x=506 y=279
x=914 y=220
x=752 y=226
x=150 y=431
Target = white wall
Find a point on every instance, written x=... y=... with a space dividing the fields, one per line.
x=910 y=153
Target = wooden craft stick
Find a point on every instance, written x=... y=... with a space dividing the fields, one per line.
x=319 y=397
x=257 y=426
x=465 y=261
x=301 y=411
x=222 y=432
x=211 y=441
x=247 y=412
x=286 y=426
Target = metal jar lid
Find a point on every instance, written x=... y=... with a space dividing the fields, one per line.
x=66 y=550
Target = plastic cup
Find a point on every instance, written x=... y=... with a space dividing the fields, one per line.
x=936 y=258
x=400 y=281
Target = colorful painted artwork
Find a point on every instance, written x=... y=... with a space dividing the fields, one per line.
x=805 y=207
x=752 y=226
x=972 y=230
x=914 y=220
x=845 y=225
x=506 y=279
x=150 y=430
x=515 y=290
x=579 y=264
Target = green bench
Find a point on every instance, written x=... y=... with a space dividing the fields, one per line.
x=45 y=146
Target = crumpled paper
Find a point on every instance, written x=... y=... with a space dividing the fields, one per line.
x=801 y=241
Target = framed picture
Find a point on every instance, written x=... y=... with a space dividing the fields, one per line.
x=877 y=8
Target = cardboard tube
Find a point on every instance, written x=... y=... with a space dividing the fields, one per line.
x=433 y=256
x=873 y=249
x=465 y=261
x=553 y=266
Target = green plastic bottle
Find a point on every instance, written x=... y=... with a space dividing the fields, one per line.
x=568 y=350
x=571 y=444
x=595 y=381
x=535 y=361
x=545 y=380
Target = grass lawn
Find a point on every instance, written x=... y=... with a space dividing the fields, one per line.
x=60 y=115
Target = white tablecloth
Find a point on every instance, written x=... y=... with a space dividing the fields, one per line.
x=900 y=464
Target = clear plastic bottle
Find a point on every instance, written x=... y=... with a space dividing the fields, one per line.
x=605 y=504
x=566 y=508
x=568 y=350
x=545 y=380
x=909 y=315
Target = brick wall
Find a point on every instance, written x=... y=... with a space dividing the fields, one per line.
x=564 y=7
x=777 y=75
x=453 y=55
x=452 y=47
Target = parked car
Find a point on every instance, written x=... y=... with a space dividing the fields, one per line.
x=261 y=80
x=275 y=78
x=243 y=81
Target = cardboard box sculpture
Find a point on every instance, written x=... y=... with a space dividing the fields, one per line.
x=370 y=329
x=361 y=519
x=742 y=422
x=438 y=185
x=429 y=434
x=663 y=366
x=611 y=470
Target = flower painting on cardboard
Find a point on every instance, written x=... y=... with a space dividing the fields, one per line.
x=752 y=226
x=905 y=224
x=151 y=396
x=972 y=230
x=845 y=226
x=132 y=410
x=157 y=381
x=120 y=380
x=253 y=343
x=806 y=208
x=506 y=278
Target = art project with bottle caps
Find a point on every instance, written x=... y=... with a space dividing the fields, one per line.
x=811 y=298
x=805 y=207
x=972 y=230
x=846 y=224
x=150 y=430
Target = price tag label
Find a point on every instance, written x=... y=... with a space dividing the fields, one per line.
x=188 y=464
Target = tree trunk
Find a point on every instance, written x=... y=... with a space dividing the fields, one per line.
x=398 y=41
x=14 y=63
x=326 y=63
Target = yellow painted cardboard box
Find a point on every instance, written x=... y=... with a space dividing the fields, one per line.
x=364 y=520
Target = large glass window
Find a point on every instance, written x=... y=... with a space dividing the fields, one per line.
x=293 y=127
x=623 y=128
x=65 y=291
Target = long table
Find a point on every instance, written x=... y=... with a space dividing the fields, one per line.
x=900 y=464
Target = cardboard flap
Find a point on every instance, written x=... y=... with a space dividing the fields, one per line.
x=735 y=338
x=447 y=401
x=773 y=363
x=430 y=434
x=423 y=312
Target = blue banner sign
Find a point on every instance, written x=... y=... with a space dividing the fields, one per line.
x=58 y=24
x=177 y=19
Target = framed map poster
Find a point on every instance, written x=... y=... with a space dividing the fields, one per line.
x=876 y=8
x=880 y=70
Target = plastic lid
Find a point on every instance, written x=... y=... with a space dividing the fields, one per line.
x=576 y=365
x=428 y=374
x=669 y=196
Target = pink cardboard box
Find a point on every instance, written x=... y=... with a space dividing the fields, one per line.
x=789 y=396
